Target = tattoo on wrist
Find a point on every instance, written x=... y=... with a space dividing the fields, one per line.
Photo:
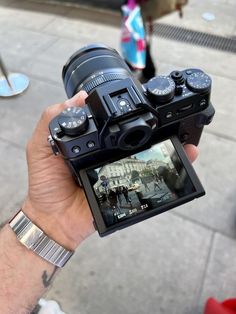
x=46 y=279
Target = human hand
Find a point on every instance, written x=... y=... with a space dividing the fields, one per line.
x=191 y=151
x=54 y=202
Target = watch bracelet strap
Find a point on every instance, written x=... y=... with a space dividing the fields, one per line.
x=36 y=240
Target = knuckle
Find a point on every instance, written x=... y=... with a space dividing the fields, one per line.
x=50 y=111
x=47 y=112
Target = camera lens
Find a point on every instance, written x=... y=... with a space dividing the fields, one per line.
x=92 y=66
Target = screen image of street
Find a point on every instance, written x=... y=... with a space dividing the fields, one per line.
x=141 y=182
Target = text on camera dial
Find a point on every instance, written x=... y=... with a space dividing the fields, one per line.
x=199 y=82
x=73 y=121
x=161 y=88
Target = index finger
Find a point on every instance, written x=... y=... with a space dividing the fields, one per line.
x=38 y=141
x=54 y=110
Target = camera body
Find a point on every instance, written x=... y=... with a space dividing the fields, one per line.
x=122 y=117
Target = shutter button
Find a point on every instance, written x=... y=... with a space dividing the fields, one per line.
x=90 y=144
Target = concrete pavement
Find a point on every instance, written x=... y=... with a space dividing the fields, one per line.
x=168 y=264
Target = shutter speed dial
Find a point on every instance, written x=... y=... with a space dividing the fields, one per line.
x=161 y=89
x=73 y=121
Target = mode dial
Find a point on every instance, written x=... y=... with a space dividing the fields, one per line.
x=199 y=82
x=73 y=121
x=161 y=88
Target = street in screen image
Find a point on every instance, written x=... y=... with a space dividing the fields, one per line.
x=139 y=183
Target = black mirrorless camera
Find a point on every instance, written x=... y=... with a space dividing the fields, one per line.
x=124 y=147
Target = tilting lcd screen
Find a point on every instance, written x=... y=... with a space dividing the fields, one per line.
x=139 y=183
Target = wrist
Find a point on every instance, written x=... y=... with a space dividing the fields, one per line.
x=19 y=268
x=18 y=249
x=53 y=224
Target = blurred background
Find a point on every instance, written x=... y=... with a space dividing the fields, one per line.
x=173 y=262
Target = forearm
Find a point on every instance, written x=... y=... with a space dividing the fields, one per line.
x=24 y=276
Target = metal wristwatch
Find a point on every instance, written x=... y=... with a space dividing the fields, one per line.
x=36 y=240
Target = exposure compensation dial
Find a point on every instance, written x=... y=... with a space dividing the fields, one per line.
x=199 y=82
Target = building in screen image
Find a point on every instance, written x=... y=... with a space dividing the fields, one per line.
x=137 y=183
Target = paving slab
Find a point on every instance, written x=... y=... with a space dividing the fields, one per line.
x=25 y=110
x=231 y=2
x=13 y=179
x=74 y=27
x=143 y=269
x=16 y=62
x=223 y=98
x=48 y=65
x=186 y=55
x=28 y=13
x=216 y=170
x=77 y=33
x=6 y=2
x=223 y=24
x=12 y=194
x=24 y=42
x=220 y=269
x=208 y=2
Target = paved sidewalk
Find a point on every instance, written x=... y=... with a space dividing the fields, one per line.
x=168 y=264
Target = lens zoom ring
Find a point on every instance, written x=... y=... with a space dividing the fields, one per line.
x=93 y=83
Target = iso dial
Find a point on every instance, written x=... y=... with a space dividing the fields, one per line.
x=161 y=89
x=73 y=121
x=199 y=82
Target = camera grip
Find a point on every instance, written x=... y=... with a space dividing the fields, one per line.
x=190 y=129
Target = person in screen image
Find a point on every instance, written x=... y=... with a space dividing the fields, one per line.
x=156 y=186
x=119 y=194
x=146 y=186
x=170 y=178
x=126 y=195
x=113 y=200
x=109 y=207
x=112 y=197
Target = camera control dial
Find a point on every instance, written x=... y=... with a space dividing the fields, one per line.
x=73 y=121
x=161 y=88
x=199 y=82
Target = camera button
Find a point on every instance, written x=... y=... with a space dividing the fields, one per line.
x=90 y=144
x=203 y=102
x=184 y=137
x=178 y=89
x=53 y=145
x=169 y=115
x=75 y=149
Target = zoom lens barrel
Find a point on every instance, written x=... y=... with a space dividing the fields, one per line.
x=92 y=66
